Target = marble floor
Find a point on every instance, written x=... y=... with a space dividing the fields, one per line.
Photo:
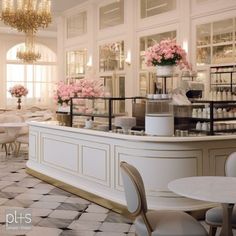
x=55 y=212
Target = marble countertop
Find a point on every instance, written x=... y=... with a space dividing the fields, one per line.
x=145 y=138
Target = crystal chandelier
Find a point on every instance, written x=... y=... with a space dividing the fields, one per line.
x=28 y=53
x=26 y=15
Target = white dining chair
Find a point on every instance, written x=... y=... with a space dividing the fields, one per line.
x=154 y=223
x=9 y=136
x=214 y=216
x=22 y=139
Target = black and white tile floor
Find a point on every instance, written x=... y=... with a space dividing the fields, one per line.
x=55 y=212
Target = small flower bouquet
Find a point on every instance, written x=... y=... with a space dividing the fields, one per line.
x=166 y=53
x=18 y=91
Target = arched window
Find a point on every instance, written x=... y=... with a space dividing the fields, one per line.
x=39 y=77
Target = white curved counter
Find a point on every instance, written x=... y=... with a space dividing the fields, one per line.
x=89 y=160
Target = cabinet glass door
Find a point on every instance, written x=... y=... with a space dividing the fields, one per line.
x=216 y=42
x=146 y=83
x=223 y=31
x=111 y=56
x=203 y=44
x=76 y=63
x=114 y=86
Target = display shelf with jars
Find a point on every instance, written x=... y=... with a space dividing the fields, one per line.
x=223 y=78
x=210 y=117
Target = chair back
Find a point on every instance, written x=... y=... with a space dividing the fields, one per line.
x=134 y=189
x=230 y=165
x=11 y=118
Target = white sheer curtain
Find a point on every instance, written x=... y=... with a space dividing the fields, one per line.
x=39 y=77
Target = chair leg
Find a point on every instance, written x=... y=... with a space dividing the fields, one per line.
x=9 y=148
x=17 y=149
x=212 y=231
x=5 y=146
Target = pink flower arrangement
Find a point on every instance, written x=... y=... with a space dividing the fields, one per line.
x=167 y=52
x=63 y=93
x=83 y=88
x=18 y=91
x=89 y=88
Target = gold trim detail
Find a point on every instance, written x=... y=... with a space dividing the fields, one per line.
x=121 y=209
x=116 y=207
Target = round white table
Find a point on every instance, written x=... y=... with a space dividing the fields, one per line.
x=210 y=188
x=13 y=128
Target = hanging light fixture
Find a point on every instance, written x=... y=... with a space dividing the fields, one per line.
x=28 y=53
x=26 y=15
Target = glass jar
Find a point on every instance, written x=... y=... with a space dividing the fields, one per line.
x=159 y=118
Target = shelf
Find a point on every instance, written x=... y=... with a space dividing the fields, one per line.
x=207 y=119
x=222 y=84
x=223 y=72
x=214 y=101
x=200 y=119
x=97 y=115
x=225 y=119
x=63 y=112
x=216 y=131
x=208 y=132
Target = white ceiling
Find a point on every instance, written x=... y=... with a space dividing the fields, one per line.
x=58 y=6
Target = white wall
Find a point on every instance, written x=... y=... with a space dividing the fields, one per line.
x=183 y=20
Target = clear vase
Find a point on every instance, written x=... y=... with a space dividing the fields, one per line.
x=165 y=70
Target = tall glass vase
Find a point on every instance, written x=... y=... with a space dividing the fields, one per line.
x=19 y=103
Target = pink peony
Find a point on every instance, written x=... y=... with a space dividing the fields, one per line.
x=167 y=52
x=82 y=88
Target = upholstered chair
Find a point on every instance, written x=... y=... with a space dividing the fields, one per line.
x=22 y=139
x=154 y=223
x=9 y=136
x=214 y=216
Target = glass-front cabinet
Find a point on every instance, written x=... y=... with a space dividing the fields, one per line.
x=147 y=76
x=114 y=86
x=111 y=70
x=216 y=42
x=76 y=63
x=111 y=56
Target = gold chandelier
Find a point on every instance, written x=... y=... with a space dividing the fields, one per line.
x=26 y=15
x=28 y=52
